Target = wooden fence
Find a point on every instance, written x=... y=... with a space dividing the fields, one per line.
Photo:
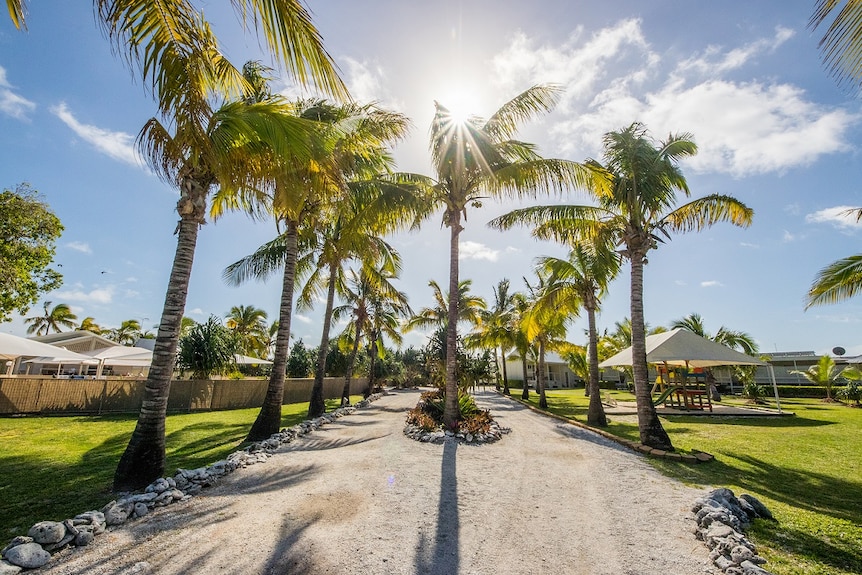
x=46 y=395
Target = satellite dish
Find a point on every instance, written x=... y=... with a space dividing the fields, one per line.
x=839 y=350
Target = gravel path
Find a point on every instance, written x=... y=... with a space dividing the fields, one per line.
x=359 y=497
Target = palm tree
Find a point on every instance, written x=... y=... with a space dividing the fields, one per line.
x=841 y=44
x=368 y=295
x=201 y=148
x=128 y=332
x=301 y=195
x=524 y=347
x=636 y=190
x=474 y=159
x=249 y=325
x=52 y=319
x=726 y=337
x=89 y=324
x=549 y=308
x=495 y=328
x=387 y=311
x=824 y=373
x=470 y=308
x=587 y=273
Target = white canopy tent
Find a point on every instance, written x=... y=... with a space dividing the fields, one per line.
x=121 y=355
x=681 y=347
x=248 y=360
x=13 y=347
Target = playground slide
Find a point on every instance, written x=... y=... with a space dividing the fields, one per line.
x=666 y=393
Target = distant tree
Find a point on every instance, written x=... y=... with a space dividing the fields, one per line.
x=300 y=360
x=249 y=325
x=89 y=324
x=28 y=230
x=128 y=332
x=208 y=348
x=53 y=319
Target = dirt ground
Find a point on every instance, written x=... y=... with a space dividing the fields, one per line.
x=359 y=497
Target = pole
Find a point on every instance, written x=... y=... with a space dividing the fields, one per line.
x=774 y=385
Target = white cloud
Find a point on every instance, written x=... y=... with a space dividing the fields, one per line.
x=82 y=247
x=748 y=245
x=578 y=67
x=714 y=61
x=117 y=145
x=367 y=82
x=196 y=311
x=613 y=79
x=711 y=283
x=103 y=295
x=302 y=318
x=477 y=251
x=841 y=217
x=11 y=103
x=788 y=237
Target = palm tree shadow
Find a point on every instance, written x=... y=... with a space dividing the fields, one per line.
x=444 y=558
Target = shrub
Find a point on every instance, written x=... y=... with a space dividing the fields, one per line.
x=428 y=413
x=208 y=348
x=753 y=392
x=852 y=392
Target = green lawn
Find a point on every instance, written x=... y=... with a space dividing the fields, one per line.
x=807 y=469
x=52 y=468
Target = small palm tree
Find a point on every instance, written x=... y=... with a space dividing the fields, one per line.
x=53 y=319
x=586 y=275
x=495 y=328
x=824 y=373
x=469 y=306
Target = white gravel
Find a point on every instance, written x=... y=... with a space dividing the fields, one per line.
x=359 y=497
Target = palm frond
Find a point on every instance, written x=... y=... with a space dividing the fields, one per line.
x=841 y=44
x=704 y=212
x=837 y=282
x=539 y=99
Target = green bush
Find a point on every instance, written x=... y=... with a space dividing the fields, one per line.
x=802 y=391
x=753 y=392
x=852 y=392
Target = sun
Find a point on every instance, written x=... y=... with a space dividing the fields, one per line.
x=462 y=104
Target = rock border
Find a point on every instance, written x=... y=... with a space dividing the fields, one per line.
x=722 y=519
x=34 y=550
x=495 y=433
x=694 y=457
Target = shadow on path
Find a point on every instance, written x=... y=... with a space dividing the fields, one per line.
x=443 y=559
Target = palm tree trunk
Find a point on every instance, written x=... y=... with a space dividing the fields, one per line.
x=316 y=407
x=525 y=393
x=144 y=458
x=651 y=431
x=505 y=374
x=595 y=413
x=372 y=357
x=345 y=393
x=540 y=376
x=268 y=420
x=450 y=408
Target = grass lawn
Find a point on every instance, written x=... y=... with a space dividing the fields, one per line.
x=807 y=469
x=52 y=468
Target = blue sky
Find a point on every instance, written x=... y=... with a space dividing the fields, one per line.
x=745 y=79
